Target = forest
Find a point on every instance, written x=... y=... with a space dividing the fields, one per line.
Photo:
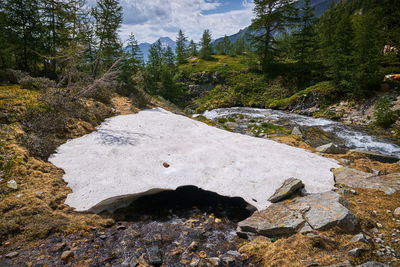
x=353 y=45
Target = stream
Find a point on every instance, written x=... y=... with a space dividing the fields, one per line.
x=349 y=136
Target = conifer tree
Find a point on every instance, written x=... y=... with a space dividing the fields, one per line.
x=336 y=44
x=108 y=19
x=271 y=16
x=181 y=51
x=133 y=60
x=193 y=49
x=169 y=57
x=304 y=36
x=367 y=52
x=206 y=46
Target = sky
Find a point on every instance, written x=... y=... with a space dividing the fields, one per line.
x=149 y=20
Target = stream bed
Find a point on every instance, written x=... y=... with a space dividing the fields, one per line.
x=348 y=136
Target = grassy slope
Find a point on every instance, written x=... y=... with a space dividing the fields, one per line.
x=242 y=87
x=36 y=208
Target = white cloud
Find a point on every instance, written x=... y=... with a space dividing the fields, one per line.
x=151 y=19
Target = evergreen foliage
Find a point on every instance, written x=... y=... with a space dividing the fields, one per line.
x=206 y=45
x=181 y=50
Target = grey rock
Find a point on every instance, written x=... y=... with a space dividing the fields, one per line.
x=389 y=184
x=316 y=211
x=130 y=262
x=356 y=252
x=12 y=255
x=288 y=187
x=359 y=238
x=296 y=132
x=331 y=149
x=376 y=156
x=341 y=264
x=372 y=264
x=153 y=253
x=12 y=184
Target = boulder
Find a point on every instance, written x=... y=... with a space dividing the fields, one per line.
x=331 y=148
x=376 y=156
x=297 y=132
x=288 y=187
x=389 y=184
x=316 y=211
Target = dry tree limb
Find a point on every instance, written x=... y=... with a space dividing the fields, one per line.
x=104 y=77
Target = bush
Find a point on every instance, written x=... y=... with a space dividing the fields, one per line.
x=50 y=124
x=39 y=83
x=12 y=76
x=384 y=115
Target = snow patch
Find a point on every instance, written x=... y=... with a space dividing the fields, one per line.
x=124 y=159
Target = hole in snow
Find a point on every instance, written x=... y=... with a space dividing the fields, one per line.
x=166 y=203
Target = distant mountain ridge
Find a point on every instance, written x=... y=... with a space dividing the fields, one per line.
x=320 y=6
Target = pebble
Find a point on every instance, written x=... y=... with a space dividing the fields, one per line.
x=214 y=261
x=193 y=246
x=103 y=237
x=153 y=253
x=12 y=255
x=59 y=246
x=67 y=255
x=12 y=184
x=396 y=212
x=194 y=262
x=379 y=225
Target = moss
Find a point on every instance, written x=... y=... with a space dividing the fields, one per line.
x=267 y=128
x=220 y=63
x=326 y=88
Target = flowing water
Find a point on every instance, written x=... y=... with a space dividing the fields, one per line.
x=351 y=137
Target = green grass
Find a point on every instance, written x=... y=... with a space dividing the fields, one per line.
x=267 y=128
x=220 y=64
x=326 y=88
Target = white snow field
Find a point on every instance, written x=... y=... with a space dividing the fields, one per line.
x=124 y=159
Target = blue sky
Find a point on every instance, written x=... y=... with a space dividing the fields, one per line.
x=151 y=19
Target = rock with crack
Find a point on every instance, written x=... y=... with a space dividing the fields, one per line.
x=316 y=211
x=389 y=184
x=124 y=160
x=287 y=189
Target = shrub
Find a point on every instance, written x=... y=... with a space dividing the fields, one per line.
x=39 y=83
x=384 y=115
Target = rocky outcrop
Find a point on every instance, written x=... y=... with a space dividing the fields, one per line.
x=331 y=148
x=289 y=187
x=389 y=184
x=313 y=212
x=376 y=156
